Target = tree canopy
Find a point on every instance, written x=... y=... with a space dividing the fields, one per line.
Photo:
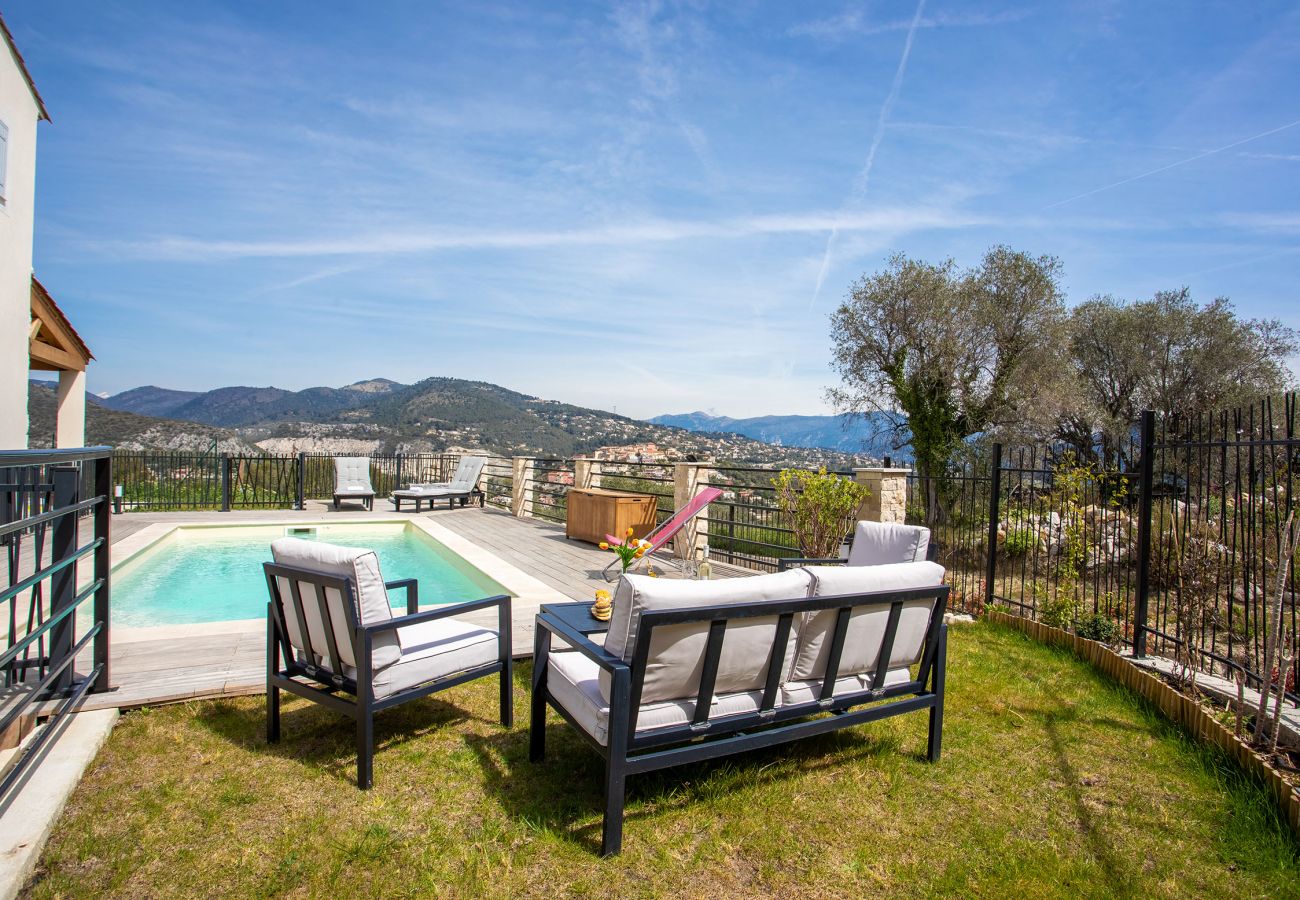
x=956 y=352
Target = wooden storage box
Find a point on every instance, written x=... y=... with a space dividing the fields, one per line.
x=596 y=512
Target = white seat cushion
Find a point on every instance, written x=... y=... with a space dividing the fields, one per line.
x=573 y=681
x=676 y=657
x=372 y=604
x=866 y=628
x=794 y=692
x=432 y=650
x=881 y=543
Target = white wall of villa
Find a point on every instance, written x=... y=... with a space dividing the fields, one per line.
x=19 y=112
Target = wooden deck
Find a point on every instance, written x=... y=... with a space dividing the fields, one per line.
x=175 y=663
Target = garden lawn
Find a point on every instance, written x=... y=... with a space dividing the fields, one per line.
x=1053 y=781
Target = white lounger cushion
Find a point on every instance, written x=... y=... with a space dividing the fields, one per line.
x=573 y=681
x=352 y=475
x=880 y=543
x=362 y=566
x=866 y=625
x=435 y=650
x=676 y=657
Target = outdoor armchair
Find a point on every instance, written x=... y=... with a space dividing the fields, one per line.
x=330 y=630
x=876 y=544
x=694 y=670
x=352 y=480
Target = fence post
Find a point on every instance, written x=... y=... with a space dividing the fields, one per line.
x=225 y=482
x=521 y=494
x=63 y=583
x=1146 y=470
x=581 y=473
x=102 y=487
x=397 y=484
x=302 y=482
x=688 y=479
x=995 y=516
x=886 y=500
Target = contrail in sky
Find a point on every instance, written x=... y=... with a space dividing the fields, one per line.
x=1181 y=162
x=859 y=191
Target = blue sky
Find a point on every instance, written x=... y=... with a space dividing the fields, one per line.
x=645 y=206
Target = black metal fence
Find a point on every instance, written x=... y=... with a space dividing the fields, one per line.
x=54 y=518
x=1176 y=552
x=162 y=481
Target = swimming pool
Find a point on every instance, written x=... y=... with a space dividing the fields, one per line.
x=214 y=573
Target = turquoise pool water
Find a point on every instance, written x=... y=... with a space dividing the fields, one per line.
x=214 y=574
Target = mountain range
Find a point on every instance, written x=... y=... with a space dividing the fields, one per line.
x=381 y=415
x=867 y=433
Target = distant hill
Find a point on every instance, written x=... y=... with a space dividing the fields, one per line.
x=379 y=415
x=846 y=434
x=241 y=406
x=126 y=430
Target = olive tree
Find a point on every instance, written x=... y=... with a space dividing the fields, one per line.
x=1168 y=354
x=954 y=353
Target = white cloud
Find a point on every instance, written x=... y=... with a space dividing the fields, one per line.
x=855 y=22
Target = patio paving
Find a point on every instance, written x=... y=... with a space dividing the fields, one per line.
x=174 y=663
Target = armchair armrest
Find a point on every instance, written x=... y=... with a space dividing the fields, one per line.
x=412 y=593
x=581 y=643
x=441 y=612
x=790 y=561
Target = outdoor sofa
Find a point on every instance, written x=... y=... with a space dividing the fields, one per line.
x=352 y=480
x=462 y=487
x=330 y=631
x=693 y=670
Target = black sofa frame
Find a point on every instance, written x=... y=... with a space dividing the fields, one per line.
x=627 y=752
x=285 y=670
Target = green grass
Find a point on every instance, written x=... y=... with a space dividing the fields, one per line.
x=1053 y=781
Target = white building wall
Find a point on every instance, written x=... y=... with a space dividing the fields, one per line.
x=19 y=112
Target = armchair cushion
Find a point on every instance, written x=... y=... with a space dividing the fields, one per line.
x=676 y=657
x=372 y=604
x=880 y=543
x=573 y=681
x=866 y=625
x=433 y=650
x=352 y=475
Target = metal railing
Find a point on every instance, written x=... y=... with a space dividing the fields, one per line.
x=163 y=481
x=745 y=524
x=546 y=488
x=498 y=481
x=54 y=518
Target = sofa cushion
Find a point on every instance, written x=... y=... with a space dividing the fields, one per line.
x=432 y=650
x=371 y=598
x=795 y=692
x=880 y=543
x=676 y=657
x=352 y=475
x=866 y=629
x=573 y=681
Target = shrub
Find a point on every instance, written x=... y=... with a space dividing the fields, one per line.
x=1097 y=627
x=820 y=508
x=1020 y=541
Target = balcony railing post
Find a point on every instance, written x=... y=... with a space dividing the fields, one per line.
x=397 y=483
x=1146 y=475
x=995 y=515
x=225 y=482
x=521 y=487
x=63 y=584
x=301 y=498
x=102 y=486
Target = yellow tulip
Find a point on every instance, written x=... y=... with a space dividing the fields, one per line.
x=640 y=551
x=631 y=532
x=604 y=545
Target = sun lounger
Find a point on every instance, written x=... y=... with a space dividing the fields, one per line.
x=352 y=480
